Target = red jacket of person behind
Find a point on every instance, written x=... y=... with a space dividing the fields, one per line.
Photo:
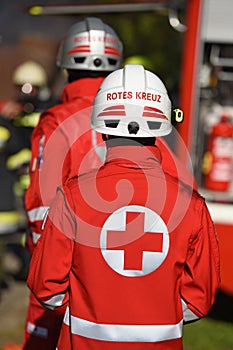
x=52 y=162
x=119 y=253
x=54 y=136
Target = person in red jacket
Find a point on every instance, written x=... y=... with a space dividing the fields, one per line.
x=90 y=50
x=118 y=251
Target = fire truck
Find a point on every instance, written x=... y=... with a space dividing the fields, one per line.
x=206 y=98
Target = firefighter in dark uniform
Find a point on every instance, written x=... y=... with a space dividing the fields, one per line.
x=31 y=90
x=18 y=119
x=10 y=145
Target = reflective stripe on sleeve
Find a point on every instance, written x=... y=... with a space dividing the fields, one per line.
x=35 y=237
x=9 y=222
x=9 y=217
x=54 y=302
x=188 y=315
x=28 y=120
x=18 y=159
x=4 y=134
x=37 y=214
x=37 y=331
x=123 y=333
x=8 y=228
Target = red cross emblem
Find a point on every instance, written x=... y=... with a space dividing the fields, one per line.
x=134 y=241
x=138 y=241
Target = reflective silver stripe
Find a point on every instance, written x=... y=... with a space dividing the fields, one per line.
x=35 y=237
x=37 y=331
x=8 y=228
x=188 y=315
x=123 y=333
x=37 y=213
x=55 y=301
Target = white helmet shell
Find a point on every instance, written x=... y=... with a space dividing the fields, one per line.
x=90 y=45
x=132 y=95
x=30 y=72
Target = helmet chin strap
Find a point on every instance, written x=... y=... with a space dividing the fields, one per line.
x=112 y=140
x=105 y=137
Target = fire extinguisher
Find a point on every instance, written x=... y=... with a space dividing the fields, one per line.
x=218 y=159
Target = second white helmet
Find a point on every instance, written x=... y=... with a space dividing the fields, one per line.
x=90 y=45
x=128 y=97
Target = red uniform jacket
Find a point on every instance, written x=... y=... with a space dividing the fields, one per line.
x=119 y=253
x=52 y=142
x=54 y=146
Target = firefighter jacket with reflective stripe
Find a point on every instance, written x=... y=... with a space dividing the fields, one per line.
x=25 y=123
x=10 y=145
x=53 y=140
x=119 y=253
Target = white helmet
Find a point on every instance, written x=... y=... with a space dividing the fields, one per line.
x=30 y=72
x=90 y=45
x=128 y=97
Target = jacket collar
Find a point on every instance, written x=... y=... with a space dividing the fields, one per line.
x=134 y=156
x=84 y=87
